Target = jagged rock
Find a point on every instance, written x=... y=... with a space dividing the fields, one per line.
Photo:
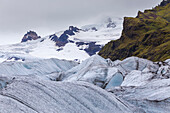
x=164 y=2
x=63 y=39
x=74 y=44
x=31 y=35
x=53 y=37
x=93 y=48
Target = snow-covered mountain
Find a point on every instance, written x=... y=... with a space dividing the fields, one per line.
x=74 y=43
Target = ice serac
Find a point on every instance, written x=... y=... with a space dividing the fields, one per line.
x=67 y=86
x=39 y=67
x=96 y=70
x=153 y=97
x=147 y=88
x=105 y=73
x=141 y=82
x=137 y=71
x=32 y=95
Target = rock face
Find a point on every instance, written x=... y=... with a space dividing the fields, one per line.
x=164 y=2
x=89 y=38
x=31 y=35
x=146 y=36
x=63 y=39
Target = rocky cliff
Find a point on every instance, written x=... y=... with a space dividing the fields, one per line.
x=146 y=36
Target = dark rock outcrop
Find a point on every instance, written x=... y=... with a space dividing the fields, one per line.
x=164 y=2
x=31 y=35
x=93 y=48
x=53 y=37
x=63 y=39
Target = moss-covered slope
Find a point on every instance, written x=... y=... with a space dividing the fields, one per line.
x=146 y=36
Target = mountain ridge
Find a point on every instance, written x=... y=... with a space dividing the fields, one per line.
x=74 y=43
x=146 y=36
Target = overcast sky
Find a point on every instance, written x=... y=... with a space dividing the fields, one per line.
x=49 y=16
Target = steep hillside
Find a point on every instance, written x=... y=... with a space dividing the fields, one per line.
x=146 y=36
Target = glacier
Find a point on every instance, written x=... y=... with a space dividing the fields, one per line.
x=95 y=85
x=32 y=95
x=38 y=67
x=141 y=82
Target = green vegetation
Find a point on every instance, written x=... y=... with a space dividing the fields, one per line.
x=146 y=36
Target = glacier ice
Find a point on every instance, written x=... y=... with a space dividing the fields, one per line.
x=147 y=88
x=95 y=70
x=34 y=95
x=39 y=67
x=116 y=80
x=133 y=85
x=145 y=83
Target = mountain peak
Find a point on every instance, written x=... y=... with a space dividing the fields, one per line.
x=30 y=35
x=72 y=28
x=164 y=2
